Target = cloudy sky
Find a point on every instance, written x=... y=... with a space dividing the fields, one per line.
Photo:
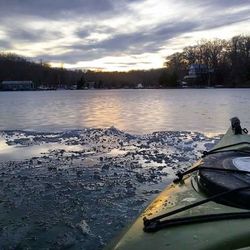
x=115 y=35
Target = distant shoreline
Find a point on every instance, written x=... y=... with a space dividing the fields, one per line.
x=40 y=90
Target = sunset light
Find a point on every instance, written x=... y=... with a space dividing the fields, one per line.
x=112 y=35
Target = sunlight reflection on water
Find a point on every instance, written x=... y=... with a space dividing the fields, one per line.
x=135 y=111
x=19 y=152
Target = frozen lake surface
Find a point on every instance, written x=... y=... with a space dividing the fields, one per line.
x=134 y=111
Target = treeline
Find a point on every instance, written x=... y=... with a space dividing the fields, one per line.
x=131 y=79
x=227 y=60
x=17 y=68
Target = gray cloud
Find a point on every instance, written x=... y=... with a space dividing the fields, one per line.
x=18 y=33
x=147 y=40
x=55 y=8
x=216 y=5
x=82 y=32
x=5 y=44
x=150 y=40
x=222 y=18
x=60 y=8
x=73 y=56
x=139 y=42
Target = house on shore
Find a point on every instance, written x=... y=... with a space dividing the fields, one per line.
x=17 y=85
x=197 y=69
x=198 y=74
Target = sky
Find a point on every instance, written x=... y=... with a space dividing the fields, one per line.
x=114 y=35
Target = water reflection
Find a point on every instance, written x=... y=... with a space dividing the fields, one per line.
x=135 y=111
x=106 y=112
x=19 y=152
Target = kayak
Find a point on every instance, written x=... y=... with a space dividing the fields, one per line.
x=206 y=207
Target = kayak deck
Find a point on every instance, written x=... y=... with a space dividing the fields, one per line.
x=237 y=141
x=209 y=235
x=222 y=234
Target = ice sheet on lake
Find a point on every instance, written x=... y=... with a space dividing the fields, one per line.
x=77 y=189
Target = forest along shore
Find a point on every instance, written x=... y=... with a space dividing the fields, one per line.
x=88 y=184
x=226 y=65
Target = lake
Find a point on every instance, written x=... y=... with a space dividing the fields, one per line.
x=133 y=110
x=51 y=179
